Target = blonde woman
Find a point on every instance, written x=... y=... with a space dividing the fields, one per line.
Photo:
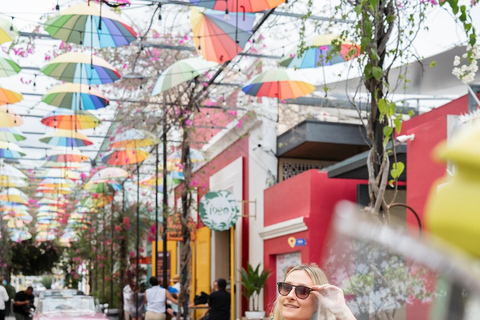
x=306 y=295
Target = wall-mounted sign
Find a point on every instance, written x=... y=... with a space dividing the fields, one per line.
x=218 y=210
x=292 y=242
x=174 y=228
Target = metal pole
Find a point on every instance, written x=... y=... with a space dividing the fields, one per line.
x=165 y=201
x=138 y=228
x=112 y=229
x=156 y=213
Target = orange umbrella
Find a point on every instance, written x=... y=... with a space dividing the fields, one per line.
x=9 y=97
x=71 y=120
x=125 y=156
x=8 y=118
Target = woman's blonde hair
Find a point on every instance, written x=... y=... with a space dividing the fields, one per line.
x=318 y=278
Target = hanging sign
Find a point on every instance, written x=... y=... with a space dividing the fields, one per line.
x=218 y=210
x=174 y=228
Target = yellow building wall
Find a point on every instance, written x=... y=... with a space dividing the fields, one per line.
x=202 y=264
x=172 y=248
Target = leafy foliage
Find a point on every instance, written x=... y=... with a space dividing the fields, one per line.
x=253 y=281
x=29 y=258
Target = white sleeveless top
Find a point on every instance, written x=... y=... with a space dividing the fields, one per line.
x=156 y=299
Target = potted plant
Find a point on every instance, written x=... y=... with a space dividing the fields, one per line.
x=253 y=281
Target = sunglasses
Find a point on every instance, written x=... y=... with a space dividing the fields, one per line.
x=302 y=292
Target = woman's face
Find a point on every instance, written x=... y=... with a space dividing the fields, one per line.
x=292 y=307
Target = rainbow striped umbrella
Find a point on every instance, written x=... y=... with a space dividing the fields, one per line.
x=8 y=118
x=8 y=67
x=11 y=135
x=66 y=154
x=276 y=83
x=219 y=40
x=9 y=96
x=65 y=165
x=12 y=182
x=54 y=190
x=134 y=138
x=78 y=67
x=125 y=156
x=317 y=53
x=66 y=138
x=9 y=150
x=75 y=96
x=89 y=25
x=71 y=120
x=14 y=195
x=6 y=32
x=238 y=5
x=107 y=186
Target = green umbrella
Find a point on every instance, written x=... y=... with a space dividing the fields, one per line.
x=8 y=67
x=11 y=135
x=181 y=71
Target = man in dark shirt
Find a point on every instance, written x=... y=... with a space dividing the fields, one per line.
x=219 y=302
x=22 y=304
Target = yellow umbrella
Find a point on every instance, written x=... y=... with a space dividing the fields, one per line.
x=8 y=31
x=9 y=97
x=8 y=118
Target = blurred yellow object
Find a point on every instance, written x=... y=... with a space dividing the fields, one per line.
x=452 y=210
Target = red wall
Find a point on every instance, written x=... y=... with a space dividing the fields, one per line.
x=310 y=195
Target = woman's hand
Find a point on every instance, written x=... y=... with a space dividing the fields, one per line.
x=332 y=298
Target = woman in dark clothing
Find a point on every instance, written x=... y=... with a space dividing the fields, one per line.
x=219 y=302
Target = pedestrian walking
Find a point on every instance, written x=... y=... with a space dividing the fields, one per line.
x=156 y=299
x=138 y=299
x=305 y=294
x=219 y=302
x=3 y=300
x=22 y=304
x=128 y=298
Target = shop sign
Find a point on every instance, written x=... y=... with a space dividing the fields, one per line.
x=174 y=228
x=219 y=210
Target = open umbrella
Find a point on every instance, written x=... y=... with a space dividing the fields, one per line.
x=18 y=235
x=238 y=5
x=106 y=186
x=8 y=67
x=56 y=183
x=180 y=72
x=9 y=96
x=14 y=195
x=8 y=31
x=75 y=96
x=109 y=174
x=66 y=154
x=91 y=25
x=66 y=138
x=317 y=53
x=8 y=118
x=219 y=40
x=276 y=83
x=71 y=120
x=125 y=156
x=9 y=150
x=8 y=170
x=58 y=173
x=11 y=135
x=54 y=190
x=96 y=201
x=134 y=138
x=65 y=165
x=12 y=182
x=78 y=67
x=51 y=202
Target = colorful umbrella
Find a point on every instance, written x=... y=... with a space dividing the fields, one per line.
x=18 y=235
x=9 y=150
x=8 y=67
x=71 y=120
x=54 y=190
x=109 y=174
x=11 y=135
x=238 y=5
x=9 y=96
x=8 y=118
x=316 y=53
x=66 y=154
x=125 y=156
x=56 y=183
x=75 y=96
x=219 y=40
x=276 y=83
x=12 y=182
x=8 y=31
x=108 y=186
x=59 y=173
x=51 y=202
x=97 y=201
x=14 y=195
x=80 y=67
x=181 y=71
x=8 y=170
x=66 y=138
x=90 y=25
x=134 y=138
x=50 y=208
x=65 y=165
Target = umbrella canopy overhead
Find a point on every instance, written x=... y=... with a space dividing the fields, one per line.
x=238 y=5
x=219 y=40
x=6 y=32
x=125 y=156
x=65 y=138
x=8 y=67
x=317 y=53
x=9 y=150
x=8 y=118
x=11 y=135
x=71 y=120
x=107 y=186
x=66 y=154
x=276 y=83
x=58 y=173
x=9 y=96
x=75 y=96
x=7 y=170
x=6 y=182
x=109 y=174
x=134 y=138
x=64 y=165
x=90 y=25
x=78 y=67
x=180 y=72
